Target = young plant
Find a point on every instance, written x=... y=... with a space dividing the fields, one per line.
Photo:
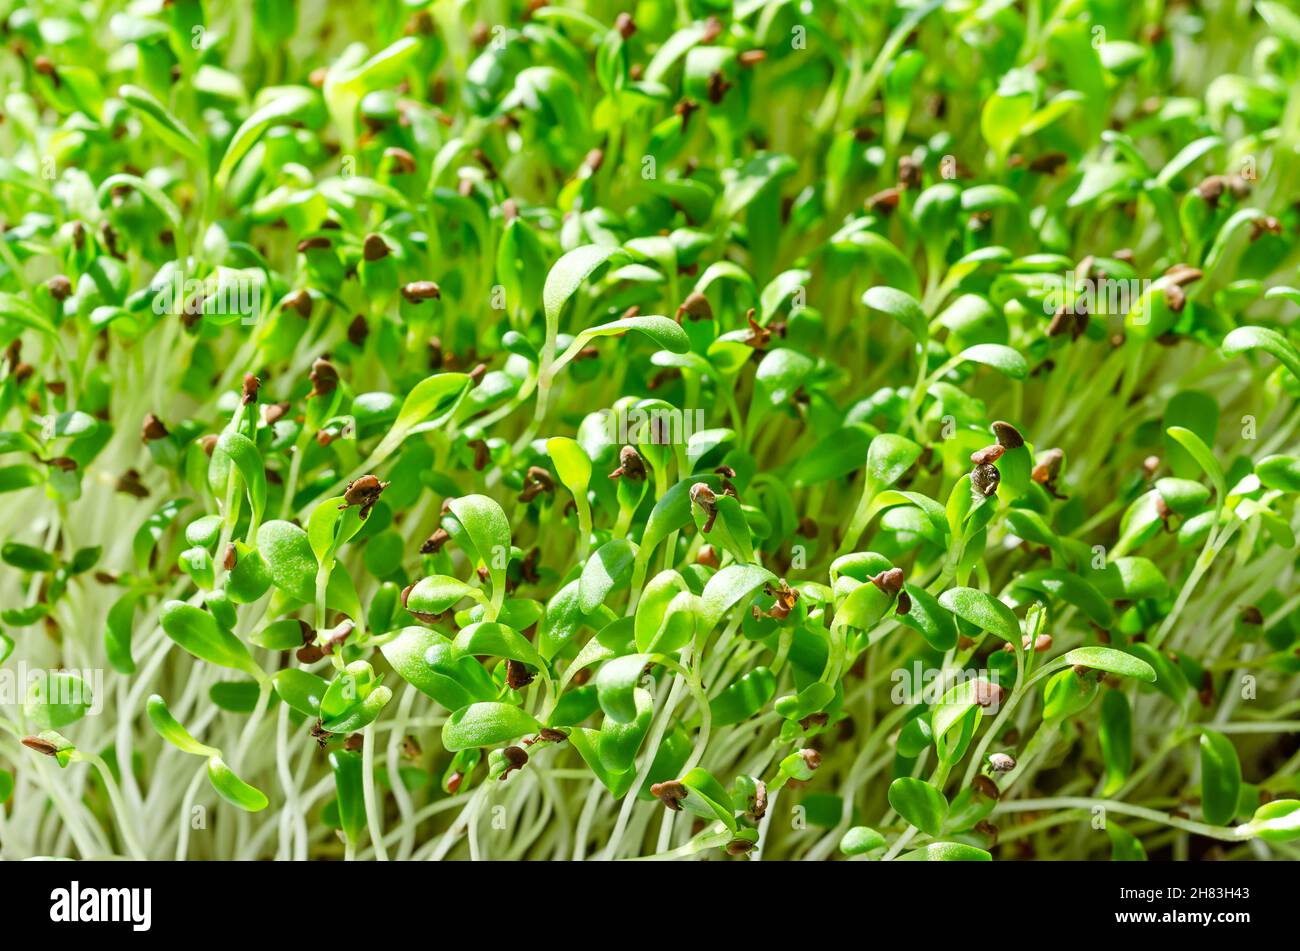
x=706 y=431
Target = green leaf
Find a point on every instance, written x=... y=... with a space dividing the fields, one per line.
x=1204 y=458
x=57 y=699
x=979 y=198
x=780 y=374
x=1276 y=821
x=233 y=789
x=864 y=607
x=616 y=684
x=301 y=690
x=1183 y=496
x=329 y=527
x=706 y=798
x=587 y=743
x=618 y=743
x=930 y=619
x=282 y=635
x=1198 y=411
x=204 y=531
x=434 y=396
x=349 y=786
x=359 y=715
x=147 y=536
x=436 y=594
x=919 y=803
x=166 y=207
x=1170 y=679
x=485 y=724
x=489 y=531
x=289 y=559
x=17 y=310
x=835 y=456
x=1116 y=738
x=1060 y=105
x=777 y=291
x=744 y=184
x=730 y=528
x=170 y=729
x=574 y=707
x=571 y=464
x=952 y=710
x=1279 y=472
x=162 y=122
x=743 y=697
x=349 y=687
x=1100 y=180
x=674 y=48
x=428 y=661
x=933 y=510
x=27 y=558
x=1112 y=661
x=289 y=103
x=1006 y=113
x=1266 y=339
x=198 y=633
x=1065 y=694
x=488 y=638
x=888 y=458
x=74 y=425
x=1071 y=588
x=1121 y=57
x=568 y=273
x=663 y=331
x=902 y=307
x=1188 y=156
x=984 y=611
x=235 y=697
x=64 y=751
x=671 y=513
x=348 y=81
x=652 y=607
x=860 y=840
x=15 y=478
x=1006 y=361
x=234 y=447
x=1129 y=579
x=249 y=579
x=606 y=571
x=726 y=589
x=946 y=852
x=1124 y=845
x=561 y=620
x=1220 y=778
x=1279 y=530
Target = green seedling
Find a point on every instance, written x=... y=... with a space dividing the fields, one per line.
x=710 y=431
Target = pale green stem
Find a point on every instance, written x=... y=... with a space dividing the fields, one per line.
x=1225 y=834
x=373 y=816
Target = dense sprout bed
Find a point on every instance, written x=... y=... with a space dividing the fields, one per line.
x=715 y=430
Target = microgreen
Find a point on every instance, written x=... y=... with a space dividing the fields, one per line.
x=738 y=431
